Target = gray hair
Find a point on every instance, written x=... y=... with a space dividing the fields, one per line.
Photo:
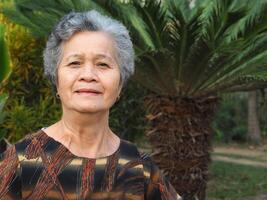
x=75 y=22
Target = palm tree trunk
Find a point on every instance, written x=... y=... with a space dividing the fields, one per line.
x=254 y=133
x=180 y=134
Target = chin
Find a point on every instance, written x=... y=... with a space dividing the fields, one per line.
x=91 y=109
x=87 y=106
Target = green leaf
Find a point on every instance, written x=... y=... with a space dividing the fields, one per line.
x=183 y=48
x=3 y=99
x=4 y=57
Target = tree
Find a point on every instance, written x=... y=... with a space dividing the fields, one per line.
x=254 y=132
x=186 y=56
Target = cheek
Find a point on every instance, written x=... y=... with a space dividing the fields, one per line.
x=113 y=86
x=116 y=84
x=65 y=81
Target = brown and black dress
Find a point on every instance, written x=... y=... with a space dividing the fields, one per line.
x=38 y=167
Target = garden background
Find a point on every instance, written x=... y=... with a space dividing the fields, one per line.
x=201 y=74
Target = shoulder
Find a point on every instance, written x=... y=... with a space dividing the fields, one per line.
x=128 y=150
x=131 y=152
x=37 y=135
x=10 y=163
x=31 y=141
x=11 y=152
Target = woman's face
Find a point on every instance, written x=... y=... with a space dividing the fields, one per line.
x=88 y=74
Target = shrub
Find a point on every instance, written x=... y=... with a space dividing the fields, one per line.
x=28 y=90
x=230 y=122
x=5 y=70
x=128 y=115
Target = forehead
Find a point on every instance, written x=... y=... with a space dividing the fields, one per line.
x=90 y=43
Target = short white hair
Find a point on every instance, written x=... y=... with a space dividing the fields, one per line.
x=92 y=20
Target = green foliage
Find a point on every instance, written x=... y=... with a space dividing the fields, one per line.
x=181 y=49
x=3 y=99
x=262 y=104
x=40 y=16
x=4 y=57
x=230 y=122
x=4 y=72
x=31 y=103
x=233 y=181
x=127 y=117
x=19 y=119
x=22 y=119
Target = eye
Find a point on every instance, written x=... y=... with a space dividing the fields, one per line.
x=102 y=64
x=74 y=63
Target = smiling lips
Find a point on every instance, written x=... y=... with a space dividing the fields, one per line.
x=88 y=91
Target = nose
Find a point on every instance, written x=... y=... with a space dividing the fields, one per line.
x=88 y=73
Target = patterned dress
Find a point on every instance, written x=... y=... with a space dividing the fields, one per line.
x=38 y=167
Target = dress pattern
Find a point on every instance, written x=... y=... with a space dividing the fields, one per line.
x=38 y=167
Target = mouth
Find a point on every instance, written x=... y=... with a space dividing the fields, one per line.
x=88 y=91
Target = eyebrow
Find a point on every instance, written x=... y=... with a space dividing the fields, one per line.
x=104 y=56
x=78 y=56
x=98 y=56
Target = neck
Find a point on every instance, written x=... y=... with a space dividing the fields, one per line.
x=85 y=126
x=86 y=135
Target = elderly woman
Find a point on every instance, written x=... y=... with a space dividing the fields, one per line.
x=89 y=58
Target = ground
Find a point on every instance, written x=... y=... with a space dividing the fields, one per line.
x=246 y=155
x=229 y=157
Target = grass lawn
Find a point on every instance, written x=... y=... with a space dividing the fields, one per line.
x=233 y=181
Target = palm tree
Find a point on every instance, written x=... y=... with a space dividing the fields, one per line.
x=186 y=55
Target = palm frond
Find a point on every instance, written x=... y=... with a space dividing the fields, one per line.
x=228 y=59
x=198 y=55
x=180 y=7
x=4 y=56
x=181 y=48
x=254 y=52
x=154 y=67
x=40 y=16
x=153 y=14
x=253 y=71
x=253 y=22
x=137 y=27
x=240 y=83
x=213 y=19
x=183 y=36
x=217 y=62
